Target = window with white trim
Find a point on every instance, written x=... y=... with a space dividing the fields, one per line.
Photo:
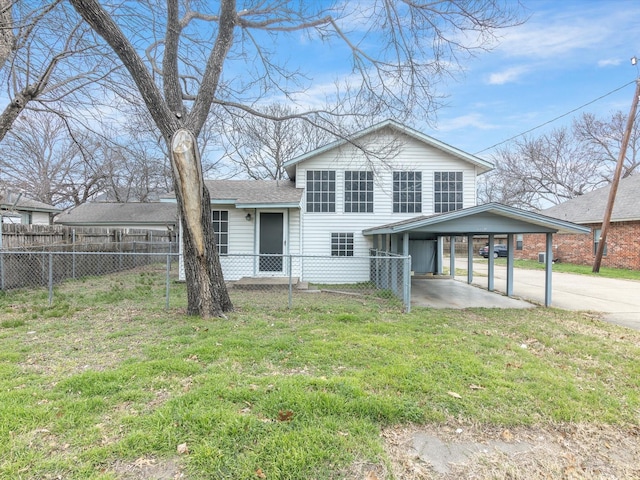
x=597 y=233
x=321 y=191
x=447 y=191
x=342 y=244
x=407 y=192
x=358 y=192
x=220 y=220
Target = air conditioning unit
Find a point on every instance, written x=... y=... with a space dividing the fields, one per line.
x=541 y=257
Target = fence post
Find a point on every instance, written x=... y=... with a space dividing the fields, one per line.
x=290 y=283
x=166 y=305
x=50 y=278
x=1 y=269
x=73 y=253
x=407 y=284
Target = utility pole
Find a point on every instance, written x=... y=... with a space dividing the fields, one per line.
x=616 y=176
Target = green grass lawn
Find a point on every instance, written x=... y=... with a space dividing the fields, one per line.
x=106 y=378
x=578 y=269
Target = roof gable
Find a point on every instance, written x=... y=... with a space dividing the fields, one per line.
x=481 y=164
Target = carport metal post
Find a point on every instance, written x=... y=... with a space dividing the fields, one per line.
x=407 y=272
x=491 y=262
x=407 y=284
x=510 y=265
x=547 y=270
x=469 y=259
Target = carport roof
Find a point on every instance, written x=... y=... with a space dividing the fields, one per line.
x=490 y=218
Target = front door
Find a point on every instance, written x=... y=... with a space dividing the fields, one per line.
x=271 y=241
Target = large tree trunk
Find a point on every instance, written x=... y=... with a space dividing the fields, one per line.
x=206 y=291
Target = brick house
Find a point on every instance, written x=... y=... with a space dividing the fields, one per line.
x=623 y=238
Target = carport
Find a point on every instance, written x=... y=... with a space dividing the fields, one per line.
x=422 y=238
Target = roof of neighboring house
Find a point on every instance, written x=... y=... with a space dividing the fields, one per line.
x=590 y=207
x=104 y=214
x=24 y=203
x=482 y=165
x=481 y=219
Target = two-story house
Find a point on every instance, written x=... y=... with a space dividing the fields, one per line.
x=388 y=188
x=386 y=173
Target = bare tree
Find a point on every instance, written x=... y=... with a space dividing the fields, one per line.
x=537 y=172
x=185 y=56
x=40 y=158
x=47 y=54
x=602 y=141
x=543 y=171
x=258 y=147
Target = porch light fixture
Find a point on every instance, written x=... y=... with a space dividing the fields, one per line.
x=248 y=217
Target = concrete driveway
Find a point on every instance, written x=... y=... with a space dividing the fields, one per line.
x=617 y=300
x=444 y=292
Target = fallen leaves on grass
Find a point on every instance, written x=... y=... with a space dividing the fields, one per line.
x=285 y=415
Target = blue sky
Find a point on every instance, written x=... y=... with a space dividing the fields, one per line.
x=567 y=54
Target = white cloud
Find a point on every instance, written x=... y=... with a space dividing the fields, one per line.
x=556 y=33
x=609 y=62
x=474 y=120
x=507 y=76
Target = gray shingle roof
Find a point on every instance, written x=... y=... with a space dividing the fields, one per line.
x=25 y=204
x=157 y=213
x=255 y=192
x=590 y=207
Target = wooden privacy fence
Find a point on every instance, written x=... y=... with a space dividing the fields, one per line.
x=57 y=238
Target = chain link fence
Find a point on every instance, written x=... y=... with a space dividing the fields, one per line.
x=262 y=278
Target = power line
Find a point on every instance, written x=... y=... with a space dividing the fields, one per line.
x=557 y=118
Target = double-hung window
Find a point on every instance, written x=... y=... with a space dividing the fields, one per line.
x=407 y=192
x=358 y=192
x=321 y=191
x=447 y=190
x=220 y=220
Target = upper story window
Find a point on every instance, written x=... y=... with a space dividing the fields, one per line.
x=407 y=192
x=358 y=192
x=447 y=190
x=321 y=191
x=220 y=220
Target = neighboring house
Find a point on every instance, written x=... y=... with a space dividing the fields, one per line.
x=149 y=216
x=622 y=249
x=17 y=208
x=387 y=188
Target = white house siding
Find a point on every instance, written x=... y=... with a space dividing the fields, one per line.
x=410 y=155
x=241 y=259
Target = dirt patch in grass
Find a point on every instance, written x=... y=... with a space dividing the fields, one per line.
x=566 y=451
x=145 y=468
